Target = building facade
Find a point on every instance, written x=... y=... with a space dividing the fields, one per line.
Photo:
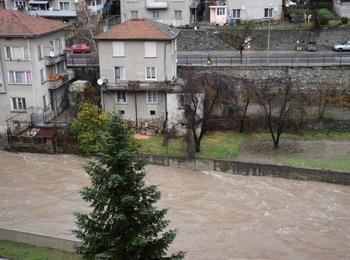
x=227 y=11
x=138 y=68
x=33 y=73
x=170 y=12
x=342 y=7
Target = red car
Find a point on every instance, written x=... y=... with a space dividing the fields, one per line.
x=80 y=48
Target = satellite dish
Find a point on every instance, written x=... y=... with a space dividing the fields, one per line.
x=52 y=54
x=100 y=82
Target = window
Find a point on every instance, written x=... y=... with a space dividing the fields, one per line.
x=152 y=97
x=155 y=14
x=178 y=14
x=236 y=13
x=16 y=53
x=42 y=76
x=118 y=49
x=184 y=100
x=19 y=103
x=220 y=11
x=121 y=97
x=20 y=77
x=40 y=52
x=150 y=49
x=121 y=112
x=2 y=5
x=150 y=72
x=268 y=12
x=152 y=112
x=20 y=5
x=119 y=73
x=134 y=14
x=45 y=102
x=64 y=6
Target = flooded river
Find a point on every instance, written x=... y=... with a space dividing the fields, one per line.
x=218 y=216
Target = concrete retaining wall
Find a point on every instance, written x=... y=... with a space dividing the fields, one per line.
x=247 y=168
x=38 y=240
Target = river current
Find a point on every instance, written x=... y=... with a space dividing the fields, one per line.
x=218 y=216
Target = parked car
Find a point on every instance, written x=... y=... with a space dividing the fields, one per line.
x=345 y=46
x=80 y=48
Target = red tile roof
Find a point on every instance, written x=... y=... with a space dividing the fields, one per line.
x=17 y=24
x=139 y=29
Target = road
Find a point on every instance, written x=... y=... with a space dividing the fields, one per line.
x=232 y=58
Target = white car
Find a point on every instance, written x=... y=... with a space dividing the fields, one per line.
x=345 y=46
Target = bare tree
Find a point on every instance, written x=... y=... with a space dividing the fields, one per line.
x=201 y=93
x=240 y=38
x=326 y=95
x=236 y=99
x=278 y=99
x=88 y=24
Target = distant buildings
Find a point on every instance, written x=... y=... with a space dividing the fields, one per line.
x=342 y=7
x=138 y=67
x=33 y=73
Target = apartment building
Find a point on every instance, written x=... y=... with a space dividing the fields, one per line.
x=225 y=11
x=58 y=9
x=170 y=12
x=33 y=74
x=342 y=7
x=138 y=67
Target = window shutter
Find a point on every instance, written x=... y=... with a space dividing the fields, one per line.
x=150 y=49
x=122 y=73
x=118 y=49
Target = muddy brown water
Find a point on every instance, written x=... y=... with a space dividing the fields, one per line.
x=218 y=216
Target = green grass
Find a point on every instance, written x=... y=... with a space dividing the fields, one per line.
x=154 y=144
x=341 y=164
x=312 y=135
x=18 y=251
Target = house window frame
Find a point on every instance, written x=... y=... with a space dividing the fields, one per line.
x=42 y=76
x=236 y=13
x=10 y=50
x=221 y=11
x=150 y=76
x=64 y=4
x=16 y=102
x=268 y=12
x=153 y=12
x=122 y=75
x=152 y=97
x=26 y=73
x=121 y=100
x=178 y=14
x=152 y=46
x=132 y=14
x=118 y=49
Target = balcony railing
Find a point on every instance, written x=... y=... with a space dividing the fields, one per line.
x=57 y=80
x=156 y=4
x=53 y=13
x=53 y=55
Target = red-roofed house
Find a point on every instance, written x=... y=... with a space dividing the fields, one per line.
x=138 y=67
x=33 y=74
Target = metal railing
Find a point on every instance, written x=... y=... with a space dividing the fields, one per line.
x=74 y=61
x=263 y=61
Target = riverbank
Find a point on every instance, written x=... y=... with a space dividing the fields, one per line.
x=327 y=151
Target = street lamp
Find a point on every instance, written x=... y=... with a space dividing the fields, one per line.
x=269 y=30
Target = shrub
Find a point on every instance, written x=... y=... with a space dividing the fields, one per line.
x=324 y=20
x=324 y=12
x=344 y=20
x=88 y=127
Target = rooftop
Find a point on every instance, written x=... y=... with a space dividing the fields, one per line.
x=139 y=29
x=17 y=24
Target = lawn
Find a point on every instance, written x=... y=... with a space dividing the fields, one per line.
x=311 y=150
x=18 y=251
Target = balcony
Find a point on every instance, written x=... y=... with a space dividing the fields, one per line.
x=56 y=80
x=140 y=85
x=53 y=56
x=53 y=13
x=156 y=4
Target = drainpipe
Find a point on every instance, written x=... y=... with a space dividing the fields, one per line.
x=165 y=68
x=135 y=96
x=31 y=71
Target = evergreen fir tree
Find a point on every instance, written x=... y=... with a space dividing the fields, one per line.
x=124 y=223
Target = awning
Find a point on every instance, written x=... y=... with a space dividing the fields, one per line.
x=33 y=2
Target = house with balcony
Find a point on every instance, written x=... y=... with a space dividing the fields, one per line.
x=138 y=68
x=33 y=73
x=342 y=8
x=170 y=12
x=229 y=11
x=65 y=10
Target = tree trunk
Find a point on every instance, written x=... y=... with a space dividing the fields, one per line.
x=241 y=55
x=241 y=128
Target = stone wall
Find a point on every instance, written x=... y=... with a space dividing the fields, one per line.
x=208 y=40
x=253 y=169
x=305 y=77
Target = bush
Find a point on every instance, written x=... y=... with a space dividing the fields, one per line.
x=88 y=127
x=324 y=12
x=324 y=20
x=344 y=20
